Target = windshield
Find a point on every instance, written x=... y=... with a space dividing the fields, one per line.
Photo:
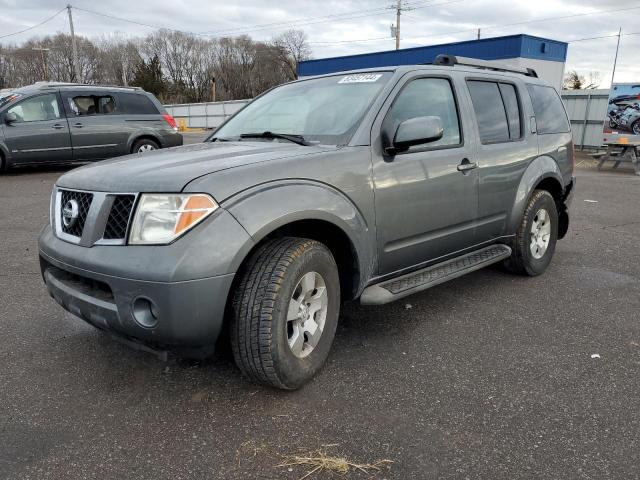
x=8 y=97
x=322 y=110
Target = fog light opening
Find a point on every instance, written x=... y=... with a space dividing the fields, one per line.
x=145 y=312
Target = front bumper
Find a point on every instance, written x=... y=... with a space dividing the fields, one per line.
x=164 y=315
x=170 y=297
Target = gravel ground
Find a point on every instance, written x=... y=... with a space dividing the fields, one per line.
x=488 y=376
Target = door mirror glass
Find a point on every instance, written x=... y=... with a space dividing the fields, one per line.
x=10 y=118
x=417 y=131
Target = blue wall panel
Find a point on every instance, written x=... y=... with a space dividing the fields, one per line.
x=498 y=48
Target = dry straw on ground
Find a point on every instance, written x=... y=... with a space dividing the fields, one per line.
x=319 y=462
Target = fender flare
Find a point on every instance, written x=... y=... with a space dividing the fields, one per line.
x=539 y=169
x=267 y=207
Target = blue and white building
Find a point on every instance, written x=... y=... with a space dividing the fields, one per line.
x=547 y=57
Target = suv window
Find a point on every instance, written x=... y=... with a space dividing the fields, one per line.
x=35 y=109
x=83 y=105
x=550 y=114
x=490 y=114
x=426 y=97
x=137 y=104
x=512 y=107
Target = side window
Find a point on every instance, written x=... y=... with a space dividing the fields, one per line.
x=425 y=97
x=37 y=109
x=490 y=112
x=83 y=105
x=137 y=104
x=510 y=99
x=550 y=114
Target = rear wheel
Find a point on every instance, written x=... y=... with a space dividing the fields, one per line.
x=144 y=145
x=635 y=128
x=536 y=238
x=285 y=312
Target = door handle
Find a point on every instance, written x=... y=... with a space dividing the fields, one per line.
x=57 y=126
x=466 y=165
x=78 y=125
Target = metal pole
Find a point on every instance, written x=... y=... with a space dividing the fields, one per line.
x=76 y=67
x=586 y=122
x=398 y=10
x=615 y=60
x=478 y=34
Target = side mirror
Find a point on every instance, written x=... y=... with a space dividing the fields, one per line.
x=10 y=117
x=416 y=131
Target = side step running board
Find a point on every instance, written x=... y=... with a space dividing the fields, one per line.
x=413 y=282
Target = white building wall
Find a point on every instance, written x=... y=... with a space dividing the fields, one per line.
x=552 y=72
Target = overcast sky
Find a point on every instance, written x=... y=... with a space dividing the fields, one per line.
x=356 y=26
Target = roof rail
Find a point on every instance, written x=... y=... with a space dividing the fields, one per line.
x=451 y=60
x=71 y=84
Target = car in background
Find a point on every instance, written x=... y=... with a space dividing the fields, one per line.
x=61 y=122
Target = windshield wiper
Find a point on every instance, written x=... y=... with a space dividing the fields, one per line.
x=299 y=139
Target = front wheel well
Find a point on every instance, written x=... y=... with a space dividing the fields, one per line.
x=335 y=239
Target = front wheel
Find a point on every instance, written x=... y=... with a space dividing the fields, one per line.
x=285 y=312
x=635 y=128
x=535 y=241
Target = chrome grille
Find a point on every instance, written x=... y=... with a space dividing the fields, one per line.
x=119 y=215
x=83 y=199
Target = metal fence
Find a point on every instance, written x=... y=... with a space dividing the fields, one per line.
x=587 y=110
x=204 y=115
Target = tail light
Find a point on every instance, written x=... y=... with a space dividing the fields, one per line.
x=170 y=120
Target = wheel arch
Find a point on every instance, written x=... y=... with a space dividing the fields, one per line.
x=542 y=174
x=309 y=210
x=142 y=136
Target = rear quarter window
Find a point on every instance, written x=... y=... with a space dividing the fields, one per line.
x=550 y=114
x=137 y=104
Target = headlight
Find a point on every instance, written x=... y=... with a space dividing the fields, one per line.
x=160 y=218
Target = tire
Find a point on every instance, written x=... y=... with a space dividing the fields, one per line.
x=260 y=332
x=532 y=259
x=144 y=145
x=635 y=127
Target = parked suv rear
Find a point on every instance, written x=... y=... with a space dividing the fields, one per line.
x=54 y=122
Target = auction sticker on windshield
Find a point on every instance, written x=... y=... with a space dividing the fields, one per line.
x=361 y=78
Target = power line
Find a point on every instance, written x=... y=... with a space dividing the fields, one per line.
x=34 y=26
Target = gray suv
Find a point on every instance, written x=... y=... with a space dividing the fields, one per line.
x=369 y=185
x=57 y=122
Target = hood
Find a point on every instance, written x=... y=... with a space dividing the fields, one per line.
x=170 y=170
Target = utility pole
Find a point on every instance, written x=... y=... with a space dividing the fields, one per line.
x=398 y=11
x=45 y=70
x=478 y=34
x=615 y=60
x=76 y=67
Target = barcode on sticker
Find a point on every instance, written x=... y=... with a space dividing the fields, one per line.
x=361 y=78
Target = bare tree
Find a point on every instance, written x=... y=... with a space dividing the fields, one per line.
x=292 y=48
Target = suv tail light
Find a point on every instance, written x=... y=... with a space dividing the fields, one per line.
x=170 y=120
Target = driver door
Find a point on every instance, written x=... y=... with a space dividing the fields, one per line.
x=426 y=207
x=41 y=132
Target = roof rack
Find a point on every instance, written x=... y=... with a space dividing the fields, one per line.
x=451 y=60
x=71 y=84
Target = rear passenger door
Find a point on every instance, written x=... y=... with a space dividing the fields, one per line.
x=506 y=147
x=98 y=130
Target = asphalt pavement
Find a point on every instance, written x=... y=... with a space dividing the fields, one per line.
x=490 y=376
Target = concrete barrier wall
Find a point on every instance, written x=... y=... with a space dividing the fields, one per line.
x=204 y=115
x=586 y=108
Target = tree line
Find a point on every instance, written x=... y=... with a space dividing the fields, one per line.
x=177 y=67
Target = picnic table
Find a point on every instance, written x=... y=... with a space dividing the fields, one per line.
x=622 y=153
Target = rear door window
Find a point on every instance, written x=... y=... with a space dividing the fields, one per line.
x=86 y=105
x=137 y=104
x=550 y=114
x=490 y=112
x=510 y=99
